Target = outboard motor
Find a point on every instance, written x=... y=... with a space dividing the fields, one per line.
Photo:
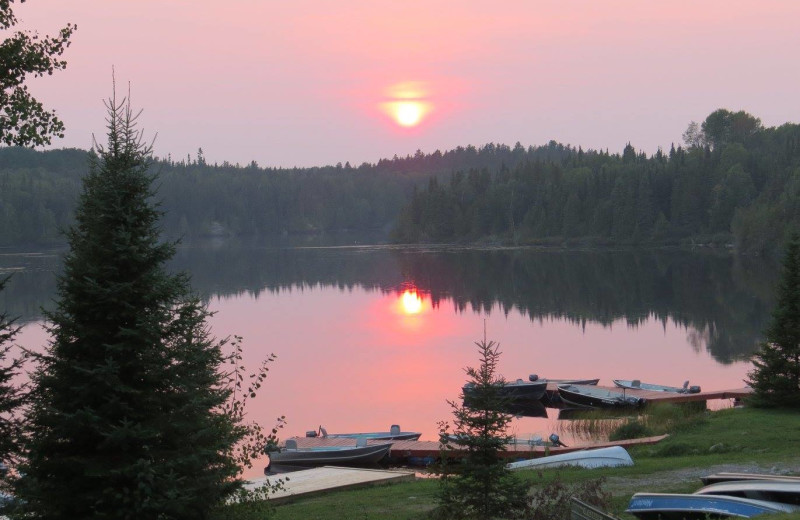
x=533 y=377
x=556 y=440
x=694 y=389
x=311 y=433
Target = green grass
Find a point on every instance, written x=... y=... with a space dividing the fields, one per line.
x=739 y=436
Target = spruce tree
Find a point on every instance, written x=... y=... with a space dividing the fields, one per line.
x=775 y=377
x=127 y=417
x=479 y=485
x=11 y=396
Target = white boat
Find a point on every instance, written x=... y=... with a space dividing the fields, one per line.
x=394 y=434
x=785 y=492
x=727 y=477
x=668 y=506
x=611 y=457
x=635 y=384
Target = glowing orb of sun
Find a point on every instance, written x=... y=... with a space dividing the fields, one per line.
x=411 y=302
x=408 y=113
x=407 y=103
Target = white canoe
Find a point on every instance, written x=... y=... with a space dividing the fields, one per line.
x=611 y=457
x=785 y=492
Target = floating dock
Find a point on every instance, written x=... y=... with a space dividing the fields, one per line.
x=318 y=480
x=403 y=451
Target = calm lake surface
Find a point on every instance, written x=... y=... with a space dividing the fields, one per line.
x=357 y=351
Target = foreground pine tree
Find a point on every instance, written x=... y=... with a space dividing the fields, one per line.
x=11 y=395
x=479 y=485
x=127 y=413
x=775 y=377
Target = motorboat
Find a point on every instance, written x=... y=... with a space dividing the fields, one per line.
x=551 y=397
x=394 y=434
x=518 y=390
x=785 y=492
x=360 y=454
x=635 y=384
x=593 y=397
x=535 y=377
x=727 y=477
x=668 y=506
x=611 y=457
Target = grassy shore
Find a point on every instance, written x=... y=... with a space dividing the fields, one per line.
x=728 y=440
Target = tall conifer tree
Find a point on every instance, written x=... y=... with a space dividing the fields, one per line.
x=126 y=419
x=11 y=395
x=775 y=377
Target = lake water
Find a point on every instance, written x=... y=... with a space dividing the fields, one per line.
x=356 y=352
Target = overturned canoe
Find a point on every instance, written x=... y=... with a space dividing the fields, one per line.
x=727 y=477
x=610 y=457
x=666 y=506
x=784 y=492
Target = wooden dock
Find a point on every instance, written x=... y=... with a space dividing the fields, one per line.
x=319 y=480
x=403 y=451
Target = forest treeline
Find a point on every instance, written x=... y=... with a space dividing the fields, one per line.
x=38 y=191
x=733 y=181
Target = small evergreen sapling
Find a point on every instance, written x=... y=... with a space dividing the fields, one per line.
x=775 y=377
x=480 y=486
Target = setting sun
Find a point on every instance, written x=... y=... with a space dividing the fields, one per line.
x=408 y=113
x=407 y=103
x=412 y=303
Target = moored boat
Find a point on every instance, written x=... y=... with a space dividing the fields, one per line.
x=785 y=492
x=361 y=453
x=394 y=434
x=518 y=390
x=610 y=457
x=534 y=378
x=635 y=384
x=668 y=506
x=591 y=396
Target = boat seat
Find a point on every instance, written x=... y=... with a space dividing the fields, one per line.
x=361 y=442
x=291 y=444
x=636 y=383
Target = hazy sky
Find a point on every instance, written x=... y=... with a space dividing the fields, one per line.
x=305 y=83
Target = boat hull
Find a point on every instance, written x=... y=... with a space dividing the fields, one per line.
x=728 y=477
x=589 y=396
x=518 y=390
x=781 y=491
x=377 y=436
x=610 y=457
x=664 y=506
x=329 y=455
x=637 y=385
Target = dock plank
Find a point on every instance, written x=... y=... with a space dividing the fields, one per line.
x=313 y=481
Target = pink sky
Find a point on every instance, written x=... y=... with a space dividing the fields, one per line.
x=300 y=83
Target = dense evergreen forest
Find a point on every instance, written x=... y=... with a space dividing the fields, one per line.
x=734 y=181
